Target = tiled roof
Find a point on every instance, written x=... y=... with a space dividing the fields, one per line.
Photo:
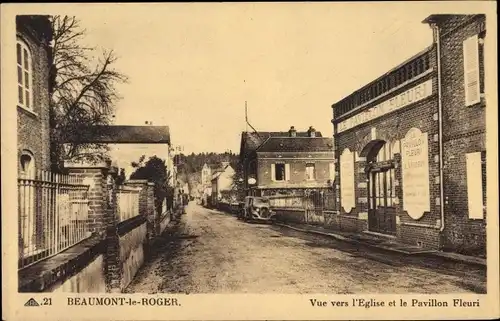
x=126 y=134
x=297 y=144
x=250 y=141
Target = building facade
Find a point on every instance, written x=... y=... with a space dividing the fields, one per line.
x=222 y=183
x=402 y=145
x=33 y=35
x=287 y=163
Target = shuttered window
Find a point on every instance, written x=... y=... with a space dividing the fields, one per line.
x=474 y=185
x=471 y=71
x=280 y=172
x=332 y=171
x=287 y=172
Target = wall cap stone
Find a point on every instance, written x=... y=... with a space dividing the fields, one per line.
x=82 y=164
x=136 y=181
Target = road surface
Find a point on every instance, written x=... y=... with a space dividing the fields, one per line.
x=207 y=251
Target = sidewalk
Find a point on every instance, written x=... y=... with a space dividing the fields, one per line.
x=382 y=243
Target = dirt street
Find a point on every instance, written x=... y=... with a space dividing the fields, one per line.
x=212 y=252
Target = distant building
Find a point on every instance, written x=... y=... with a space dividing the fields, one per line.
x=286 y=162
x=410 y=145
x=206 y=175
x=128 y=143
x=33 y=35
x=222 y=183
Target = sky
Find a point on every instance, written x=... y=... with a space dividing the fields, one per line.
x=193 y=66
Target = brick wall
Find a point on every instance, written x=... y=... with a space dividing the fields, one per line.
x=464 y=132
x=37 y=119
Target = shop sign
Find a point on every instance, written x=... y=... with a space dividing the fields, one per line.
x=412 y=95
x=347 y=196
x=415 y=172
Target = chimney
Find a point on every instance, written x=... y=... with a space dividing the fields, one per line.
x=311 y=132
x=292 y=132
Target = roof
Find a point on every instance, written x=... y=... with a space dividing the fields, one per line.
x=218 y=172
x=126 y=135
x=436 y=18
x=250 y=141
x=297 y=144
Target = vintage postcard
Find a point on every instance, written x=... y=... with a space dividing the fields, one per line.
x=263 y=161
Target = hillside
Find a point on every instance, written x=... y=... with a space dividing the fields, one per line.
x=189 y=166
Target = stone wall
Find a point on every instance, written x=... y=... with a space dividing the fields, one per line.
x=90 y=279
x=132 y=253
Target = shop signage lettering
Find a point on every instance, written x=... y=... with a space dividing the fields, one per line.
x=404 y=99
x=415 y=170
x=347 y=180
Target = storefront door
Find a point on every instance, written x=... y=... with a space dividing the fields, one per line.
x=381 y=210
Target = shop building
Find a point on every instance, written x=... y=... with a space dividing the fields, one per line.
x=409 y=144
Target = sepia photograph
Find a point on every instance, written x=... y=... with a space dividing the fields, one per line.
x=288 y=149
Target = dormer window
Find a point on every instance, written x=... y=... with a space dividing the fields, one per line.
x=24 y=76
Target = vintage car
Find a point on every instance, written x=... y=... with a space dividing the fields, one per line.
x=256 y=208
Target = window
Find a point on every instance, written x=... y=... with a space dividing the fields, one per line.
x=280 y=172
x=24 y=76
x=310 y=172
x=381 y=186
x=475 y=181
x=471 y=70
x=27 y=166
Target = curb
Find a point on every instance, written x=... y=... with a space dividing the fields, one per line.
x=346 y=239
x=476 y=262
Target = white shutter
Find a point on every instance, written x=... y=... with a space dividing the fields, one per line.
x=273 y=172
x=332 y=171
x=471 y=70
x=287 y=172
x=474 y=186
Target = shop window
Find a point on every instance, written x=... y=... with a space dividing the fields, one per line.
x=471 y=70
x=381 y=183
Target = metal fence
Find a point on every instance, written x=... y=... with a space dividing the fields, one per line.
x=53 y=215
x=324 y=199
x=285 y=201
x=127 y=201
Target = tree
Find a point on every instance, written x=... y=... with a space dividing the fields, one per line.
x=238 y=186
x=82 y=93
x=120 y=179
x=155 y=170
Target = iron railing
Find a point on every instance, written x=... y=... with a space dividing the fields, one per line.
x=127 y=202
x=53 y=215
